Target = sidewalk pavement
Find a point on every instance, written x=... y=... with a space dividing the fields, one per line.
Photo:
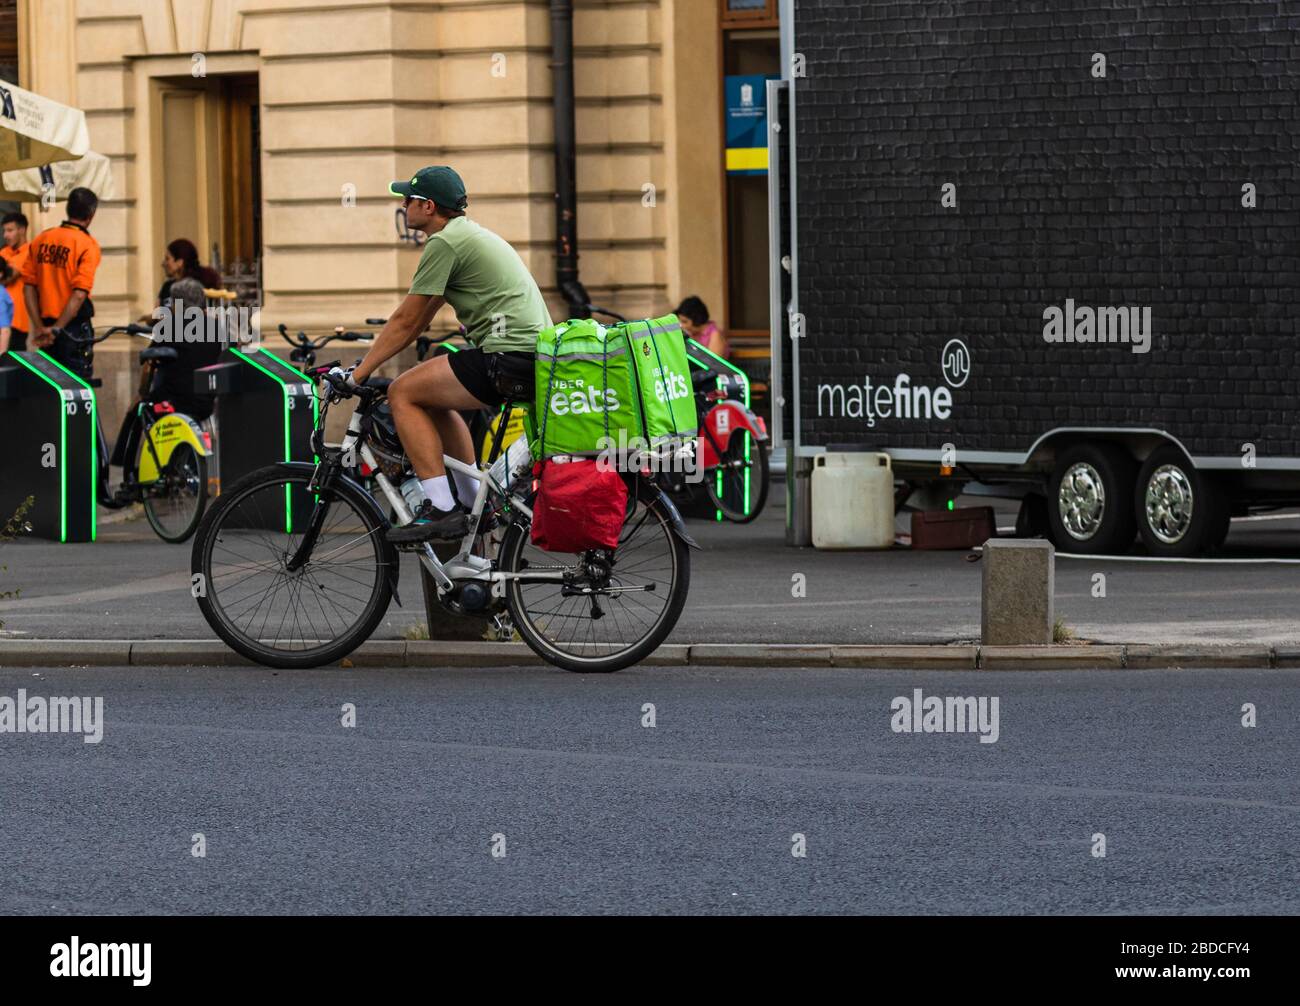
x=130 y=586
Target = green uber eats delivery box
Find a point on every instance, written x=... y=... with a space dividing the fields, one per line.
x=626 y=387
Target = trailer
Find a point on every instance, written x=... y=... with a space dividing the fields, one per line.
x=1044 y=251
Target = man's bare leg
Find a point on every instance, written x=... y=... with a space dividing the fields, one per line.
x=424 y=400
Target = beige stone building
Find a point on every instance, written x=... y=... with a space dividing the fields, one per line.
x=267 y=131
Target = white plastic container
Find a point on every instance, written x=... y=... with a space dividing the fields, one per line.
x=852 y=501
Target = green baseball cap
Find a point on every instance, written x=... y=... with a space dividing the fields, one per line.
x=439 y=183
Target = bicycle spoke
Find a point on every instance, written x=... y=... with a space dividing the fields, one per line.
x=254 y=594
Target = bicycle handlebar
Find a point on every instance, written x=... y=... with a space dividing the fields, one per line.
x=303 y=342
x=92 y=339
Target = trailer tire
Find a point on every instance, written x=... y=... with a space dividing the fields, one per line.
x=1088 y=500
x=1180 y=510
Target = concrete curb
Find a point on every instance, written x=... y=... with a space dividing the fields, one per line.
x=432 y=654
x=1051 y=658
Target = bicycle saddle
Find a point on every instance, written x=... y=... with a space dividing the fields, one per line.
x=159 y=353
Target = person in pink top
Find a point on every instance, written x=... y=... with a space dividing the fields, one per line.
x=694 y=316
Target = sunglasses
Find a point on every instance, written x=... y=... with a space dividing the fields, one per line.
x=406 y=200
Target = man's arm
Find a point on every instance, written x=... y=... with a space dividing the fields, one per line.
x=71 y=308
x=36 y=328
x=5 y=334
x=410 y=319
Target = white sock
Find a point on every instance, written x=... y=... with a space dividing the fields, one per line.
x=437 y=491
x=466 y=486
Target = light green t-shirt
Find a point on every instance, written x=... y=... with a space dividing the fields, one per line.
x=486 y=282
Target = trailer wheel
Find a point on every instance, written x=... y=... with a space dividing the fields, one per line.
x=1088 y=500
x=1180 y=511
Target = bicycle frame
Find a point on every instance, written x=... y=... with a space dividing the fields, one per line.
x=464 y=566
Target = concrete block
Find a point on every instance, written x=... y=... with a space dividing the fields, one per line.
x=938 y=658
x=760 y=655
x=438 y=654
x=376 y=653
x=185 y=653
x=1051 y=658
x=1179 y=655
x=64 y=652
x=1017 y=599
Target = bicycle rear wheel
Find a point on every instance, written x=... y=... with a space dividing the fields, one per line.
x=254 y=598
x=174 y=504
x=593 y=615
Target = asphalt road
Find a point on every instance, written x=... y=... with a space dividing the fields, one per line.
x=130 y=585
x=696 y=815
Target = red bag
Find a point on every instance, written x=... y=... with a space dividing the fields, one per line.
x=578 y=506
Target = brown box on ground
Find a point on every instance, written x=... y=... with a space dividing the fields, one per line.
x=965 y=528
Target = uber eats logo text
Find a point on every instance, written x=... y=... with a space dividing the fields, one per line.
x=576 y=397
x=676 y=387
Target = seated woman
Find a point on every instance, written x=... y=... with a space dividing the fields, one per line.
x=694 y=316
x=182 y=262
x=174 y=380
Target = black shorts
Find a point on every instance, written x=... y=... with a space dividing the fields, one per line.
x=494 y=377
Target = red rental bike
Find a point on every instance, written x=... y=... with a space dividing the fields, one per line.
x=732 y=445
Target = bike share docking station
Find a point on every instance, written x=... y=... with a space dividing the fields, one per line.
x=265 y=412
x=52 y=450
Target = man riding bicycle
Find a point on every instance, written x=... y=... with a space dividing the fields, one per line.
x=497 y=300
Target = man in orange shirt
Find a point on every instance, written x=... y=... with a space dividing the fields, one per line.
x=14 y=251
x=58 y=277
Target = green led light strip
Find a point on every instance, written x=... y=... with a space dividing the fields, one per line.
x=284 y=390
x=315 y=405
x=94 y=443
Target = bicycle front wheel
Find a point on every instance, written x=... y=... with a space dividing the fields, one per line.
x=738 y=486
x=290 y=578
x=174 y=504
x=590 y=613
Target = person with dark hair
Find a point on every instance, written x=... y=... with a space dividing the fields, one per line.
x=181 y=261
x=58 y=277
x=696 y=324
x=14 y=253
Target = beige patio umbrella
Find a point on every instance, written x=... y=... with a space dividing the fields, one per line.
x=92 y=171
x=35 y=131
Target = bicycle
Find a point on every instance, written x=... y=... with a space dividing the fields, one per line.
x=309 y=594
x=164 y=452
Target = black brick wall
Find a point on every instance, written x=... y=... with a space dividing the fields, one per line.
x=1118 y=191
